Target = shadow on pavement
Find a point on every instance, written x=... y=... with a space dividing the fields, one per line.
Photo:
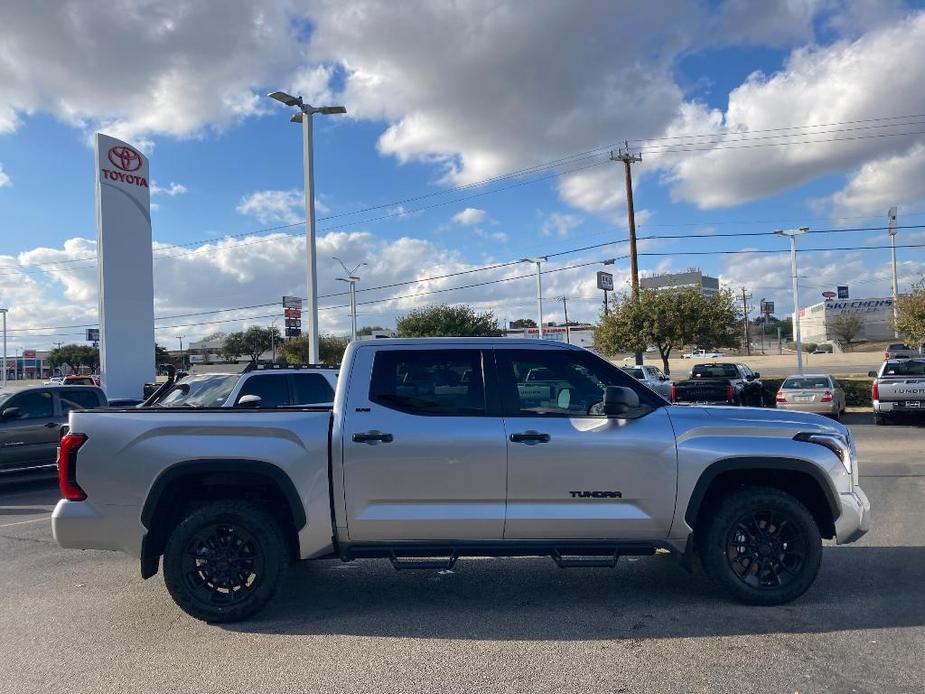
x=650 y=598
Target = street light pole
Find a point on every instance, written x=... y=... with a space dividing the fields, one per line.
x=306 y=111
x=351 y=278
x=792 y=234
x=3 y=312
x=539 y=260
x=180 y=338
x=564 y=300
x=892 y=217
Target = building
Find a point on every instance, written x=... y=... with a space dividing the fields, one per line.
x=708 y=286
x=581 y=335
x=816 y=320
x=28 y=365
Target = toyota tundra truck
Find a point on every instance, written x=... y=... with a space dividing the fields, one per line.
x=898 y=389
x=442 y=448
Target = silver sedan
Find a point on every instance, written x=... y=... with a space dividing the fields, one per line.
x=818 y=393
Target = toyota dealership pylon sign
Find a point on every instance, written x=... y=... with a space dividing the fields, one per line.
x=125 y=267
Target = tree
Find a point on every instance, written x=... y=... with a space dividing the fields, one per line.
x=845 y=328
x=331 y=348
x=668 y=319
x=910 y=310
x=161 y=355
x=233 y=346
x=256 y=340
x=522 y=323
x=74 y=356
x=442 y=320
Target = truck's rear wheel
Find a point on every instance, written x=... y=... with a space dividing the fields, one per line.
x=762 y=545
x=225 y=561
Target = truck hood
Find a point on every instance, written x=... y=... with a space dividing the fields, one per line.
x=752 y=417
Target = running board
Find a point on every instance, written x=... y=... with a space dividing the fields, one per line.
x=575 y=562
x=400 y=564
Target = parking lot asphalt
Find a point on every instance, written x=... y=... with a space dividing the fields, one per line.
x=85 y=622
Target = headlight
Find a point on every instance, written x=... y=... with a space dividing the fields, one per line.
x=838 y=444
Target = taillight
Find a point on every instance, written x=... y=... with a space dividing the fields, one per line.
x=887 y=355
x=826 y=397
x=730 y=393
x=67 y=467
x=875 y=391
x=781 y=397
x=674 y=393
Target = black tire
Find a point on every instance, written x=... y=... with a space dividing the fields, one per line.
x=225 y=561
x=880 y=420
x=762 y=545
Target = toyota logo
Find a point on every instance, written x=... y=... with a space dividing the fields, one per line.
x=124 y=158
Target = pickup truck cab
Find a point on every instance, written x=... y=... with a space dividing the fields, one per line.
x=257 y=387
x=703 y=354
x=898 y=389
x=720 y=384
x=446 y=447
x=653 y=377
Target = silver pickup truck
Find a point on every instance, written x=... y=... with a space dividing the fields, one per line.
x=440 y=448
x=898 y=389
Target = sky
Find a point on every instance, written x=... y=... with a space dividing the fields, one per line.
x=476 y=134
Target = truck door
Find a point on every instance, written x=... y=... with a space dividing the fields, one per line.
x=29 y=432
x=573 y=473
x=424 y=451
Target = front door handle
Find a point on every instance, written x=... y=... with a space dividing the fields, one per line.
x=49 y=425
x=372 y=437
x=530 y=437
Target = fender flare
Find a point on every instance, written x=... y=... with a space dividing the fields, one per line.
x=716 y=469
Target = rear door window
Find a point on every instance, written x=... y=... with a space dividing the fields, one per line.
x=311 y=389
x=430 y=382
x=78 y=399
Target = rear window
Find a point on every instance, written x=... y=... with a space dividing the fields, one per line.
x=86 y=381
x=430 y=382
x=806 y=382
x=636 y=373
x=913 y=367
x=897 y=346
x=714 y=371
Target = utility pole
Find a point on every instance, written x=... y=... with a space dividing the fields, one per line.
x=539 y=260
x=745 y=297
x=892 y=217
x=606 y=312
x=3 y=313
x=180 y=338
x=792 y=234
x=564 y=301
x=628 y=160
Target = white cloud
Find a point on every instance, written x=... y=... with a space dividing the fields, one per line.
x=470 y=216
x=841 y=83
x=767 y=23
x=171 y=190
x=560 y=224
x=4 y=178
x=880 y=184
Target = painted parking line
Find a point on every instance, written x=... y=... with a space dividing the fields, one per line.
x=31 y=520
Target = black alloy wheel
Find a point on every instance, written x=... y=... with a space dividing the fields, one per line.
x=766 y=549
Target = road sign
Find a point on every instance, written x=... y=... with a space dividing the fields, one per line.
x=829 y=295
x=93 y=334
x=843 y=291
x=293 y=332
x=292 y=313
x=292 y=302
x=767 y=307
x=605 y=281
x=293 y=323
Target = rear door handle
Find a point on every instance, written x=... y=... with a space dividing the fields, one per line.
x=372 y=437
x=49 y=425
x=530 y=437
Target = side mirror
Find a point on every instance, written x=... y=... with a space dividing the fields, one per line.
x=11 y=413
x=872 y=374
x=250 y=401
x=757 y=375
x=619 y=400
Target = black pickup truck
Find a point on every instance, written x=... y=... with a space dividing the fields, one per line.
x=720 y=384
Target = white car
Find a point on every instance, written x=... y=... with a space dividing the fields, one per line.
x=54 y=381
x=703 y=354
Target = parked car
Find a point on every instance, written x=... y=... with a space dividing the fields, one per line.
x=440 y=448
x=260 y=387
x=703 y=354
x=898 y=389
x=818 y=393
x=653 y=377
x=54 y=381
x=899 y=350
x=30 y=422
x=722 y=383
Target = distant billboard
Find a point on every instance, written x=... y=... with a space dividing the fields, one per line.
x=605 y=281
x=843 y=291
x=28 y=354
x=292 y=302
x=93 y=334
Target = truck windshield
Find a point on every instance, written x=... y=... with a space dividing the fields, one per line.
x=913 y=367
x=200 y=391
x=714 y=371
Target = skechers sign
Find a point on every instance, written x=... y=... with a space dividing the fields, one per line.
x=127 y=159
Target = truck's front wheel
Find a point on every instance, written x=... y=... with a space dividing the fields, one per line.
x=225 y=561
x=762 y=545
